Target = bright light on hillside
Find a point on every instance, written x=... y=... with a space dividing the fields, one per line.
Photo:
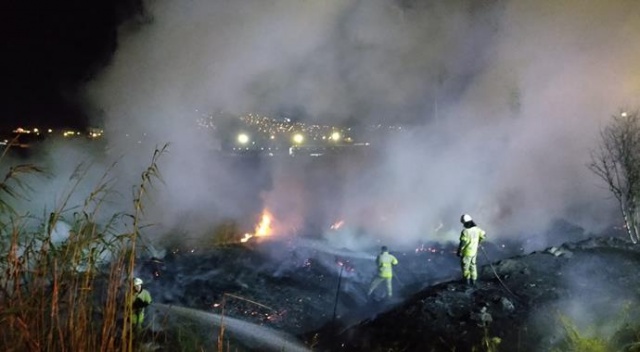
x=243 y=138
x=298 y=138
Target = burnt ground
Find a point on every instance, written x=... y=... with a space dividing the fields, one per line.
x=520 y=303
x=297 y=280
x=319 y=295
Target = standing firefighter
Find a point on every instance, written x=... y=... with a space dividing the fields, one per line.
x=385 y=263
x=140 y=298
x=470 y=239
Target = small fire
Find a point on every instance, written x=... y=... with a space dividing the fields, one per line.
x=263 y=228
x=345 y=265
x=337 y=225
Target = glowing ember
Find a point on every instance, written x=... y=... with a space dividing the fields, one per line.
x=337 y=225
x=422 y=248
x=262 y=229
x=345 y=265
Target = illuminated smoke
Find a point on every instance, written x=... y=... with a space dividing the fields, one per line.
x=504 y=100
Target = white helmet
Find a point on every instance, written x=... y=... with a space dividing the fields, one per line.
x=465 y=218
x=137 y=281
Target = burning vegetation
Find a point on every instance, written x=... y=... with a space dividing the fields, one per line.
x=65 y=287
x=263 y=229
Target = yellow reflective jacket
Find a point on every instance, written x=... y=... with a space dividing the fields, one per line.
x=140 y=300
x=385 y=263
x=469 y=240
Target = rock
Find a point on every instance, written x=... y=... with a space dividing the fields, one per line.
x=559 y=252
x=507 y=305
x=483 y=318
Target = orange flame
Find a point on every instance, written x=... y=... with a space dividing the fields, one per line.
x=263 y=228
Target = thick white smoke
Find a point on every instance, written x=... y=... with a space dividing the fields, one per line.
x=505 y=100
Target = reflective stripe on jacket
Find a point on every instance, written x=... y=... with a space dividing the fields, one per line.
x=469 y=240
x=385 y=262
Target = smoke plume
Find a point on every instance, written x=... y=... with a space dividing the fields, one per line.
x=501 y=102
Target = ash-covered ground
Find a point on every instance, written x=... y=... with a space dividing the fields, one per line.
x=519 y=305
x=297 y=279
x=316 y=292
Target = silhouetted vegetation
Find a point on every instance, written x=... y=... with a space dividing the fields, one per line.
x=617 y=162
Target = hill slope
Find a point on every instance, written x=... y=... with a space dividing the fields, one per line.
x=517 y=306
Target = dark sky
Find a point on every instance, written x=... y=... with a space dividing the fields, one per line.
x=49 y=49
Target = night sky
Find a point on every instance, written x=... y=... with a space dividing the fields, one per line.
x=49 y=50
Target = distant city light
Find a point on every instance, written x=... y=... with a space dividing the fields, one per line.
x=298 y=138
x=260 y=133
x=243 y=138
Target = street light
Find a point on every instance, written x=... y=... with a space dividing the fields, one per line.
x=298 y=138
x=336 y=136
x=243 y=138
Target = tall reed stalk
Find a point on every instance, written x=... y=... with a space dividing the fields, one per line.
x=68 y=295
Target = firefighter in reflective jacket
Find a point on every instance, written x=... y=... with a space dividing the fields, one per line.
x=385 y=262
x=141 y=298
x=470 y=238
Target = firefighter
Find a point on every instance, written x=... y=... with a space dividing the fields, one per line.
x=470 y=239
x=385 y=263
x=140 y=298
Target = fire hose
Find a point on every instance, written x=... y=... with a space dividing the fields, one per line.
x=495 y=273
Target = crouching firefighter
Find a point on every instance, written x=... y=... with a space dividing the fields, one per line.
x=385 y=263
x=470 y=239
x=140 y=299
